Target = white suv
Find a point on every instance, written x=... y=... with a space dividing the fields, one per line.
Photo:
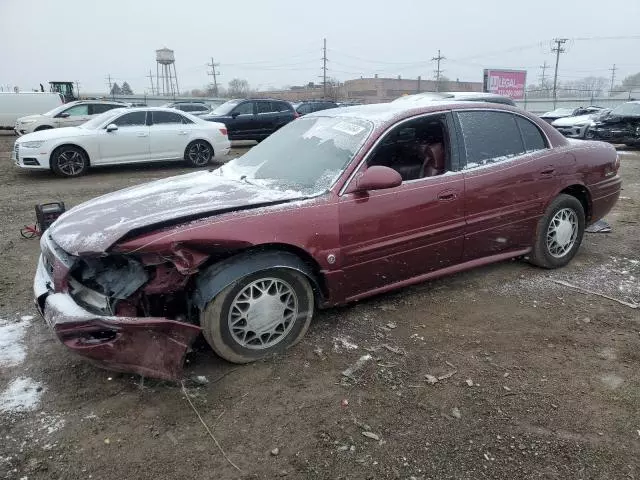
x=68 y=115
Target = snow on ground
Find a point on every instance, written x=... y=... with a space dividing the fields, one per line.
x=618 y=277
x=22 y=394
x=12 y=350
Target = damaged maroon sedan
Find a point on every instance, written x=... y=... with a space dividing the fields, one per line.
x=334 y=207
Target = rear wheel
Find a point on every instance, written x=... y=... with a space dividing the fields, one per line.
x=559 y=233
x=69 y=161
x=198 y=153
x=258 y=315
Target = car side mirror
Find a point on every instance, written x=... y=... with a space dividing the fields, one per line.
x=112 y=127
x=235 y=114
x=63 y=115
x=375 y=178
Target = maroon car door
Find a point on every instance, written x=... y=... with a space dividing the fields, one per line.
x=391 y=235
x=510 y=173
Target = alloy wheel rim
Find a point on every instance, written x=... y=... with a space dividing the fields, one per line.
x=70 y=162
x=263 y=313
x=562 y=232
x=199 y=154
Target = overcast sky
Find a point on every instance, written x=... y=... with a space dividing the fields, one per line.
x=279 y=42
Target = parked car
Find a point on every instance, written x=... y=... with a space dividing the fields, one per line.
x=332 y=208
x=67 y=115
x=461 y=96
x=310 y=106
x=252 y=119
x=563 y=112
x=194 y=108
x=123 y=136
x=621 y=125
x=16 y=105
x=576 y=126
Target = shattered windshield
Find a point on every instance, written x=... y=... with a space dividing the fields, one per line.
x=307 y=155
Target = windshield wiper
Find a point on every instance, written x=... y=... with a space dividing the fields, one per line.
x=244 y=179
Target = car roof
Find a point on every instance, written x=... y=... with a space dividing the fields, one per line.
x=383 y=113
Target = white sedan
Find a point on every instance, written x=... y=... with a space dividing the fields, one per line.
x=123 y=136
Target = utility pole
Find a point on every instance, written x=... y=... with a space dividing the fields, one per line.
x=438 y=71
x=419 y=79
x=324 y=69
x=543 y=77
x=77 y=89
x=558 y=49
x=214 y=74
x=613 y=77
x=109 y=83
x=153 y=92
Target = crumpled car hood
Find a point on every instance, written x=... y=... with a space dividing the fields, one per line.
x=570 y=121
x=94 y=226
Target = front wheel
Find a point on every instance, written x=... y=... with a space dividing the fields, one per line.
x=198 y=153
x=559 y=233
x=69 y=161
x=258 y=315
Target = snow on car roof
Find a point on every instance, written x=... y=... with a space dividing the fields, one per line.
x=381 y=113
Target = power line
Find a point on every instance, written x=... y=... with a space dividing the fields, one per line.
x=214 y=74
x=438 y=71
x=558 y=49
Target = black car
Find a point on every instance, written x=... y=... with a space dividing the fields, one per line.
x=620 y=125
x=252 y=119
x=310 y=106
x=194 y=108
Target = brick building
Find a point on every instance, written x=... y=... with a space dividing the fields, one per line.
x=369 y=90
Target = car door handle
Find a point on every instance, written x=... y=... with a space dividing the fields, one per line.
x=182 y=133
x=447 y=196
x=142 y=134
x=548 y=172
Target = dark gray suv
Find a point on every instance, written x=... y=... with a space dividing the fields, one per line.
x=253 y=119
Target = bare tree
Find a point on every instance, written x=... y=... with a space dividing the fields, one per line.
x=238 y=87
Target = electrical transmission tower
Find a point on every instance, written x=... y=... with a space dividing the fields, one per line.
x=613 y=77
x=437 y=71
x=214 y=73
x=558 y=49
x=153 y=90
x=543 y=77
x=324 y=69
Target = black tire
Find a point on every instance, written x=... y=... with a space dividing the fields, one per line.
x=198 y=153
x=556 y=245
x=43 y=127
x=215 y=319
x=69 y=161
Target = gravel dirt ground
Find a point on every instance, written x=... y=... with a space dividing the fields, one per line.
x=535 y=379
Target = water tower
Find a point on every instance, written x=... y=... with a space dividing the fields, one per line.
x=166 y=81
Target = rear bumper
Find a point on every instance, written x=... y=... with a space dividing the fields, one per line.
x=154 y=347
x=604 y=196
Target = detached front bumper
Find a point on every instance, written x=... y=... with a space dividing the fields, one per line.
x=150 y=346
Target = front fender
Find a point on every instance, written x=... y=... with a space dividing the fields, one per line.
x=219 y=276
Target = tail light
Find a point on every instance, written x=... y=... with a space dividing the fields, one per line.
x=223 y=131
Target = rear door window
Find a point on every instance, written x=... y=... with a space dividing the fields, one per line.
x=166 y=117
x=97 y=108
x=489 y=137
x=265 y=107
x=531 y=134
